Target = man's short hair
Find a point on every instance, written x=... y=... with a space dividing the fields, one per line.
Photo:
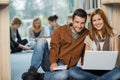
x=80 y=12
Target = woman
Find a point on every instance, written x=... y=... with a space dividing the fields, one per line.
x=35 y=32
x=101 y=31
x=53 y=22
x=16 y=43
x=101 y=37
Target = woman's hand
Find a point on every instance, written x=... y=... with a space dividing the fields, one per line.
x=24 y=47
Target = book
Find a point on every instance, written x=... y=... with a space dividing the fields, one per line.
x=61 y=67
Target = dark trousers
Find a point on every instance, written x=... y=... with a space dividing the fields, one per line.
x=16 y=48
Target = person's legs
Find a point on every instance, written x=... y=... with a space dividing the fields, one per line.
x=39 y=53
x=76 y=73
x=111 y=75
x=56 y=75
x=45 y=61
x=14 y=48
x=31 y=44
x=23 y=42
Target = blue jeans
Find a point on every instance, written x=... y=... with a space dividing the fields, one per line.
x=111 y=75
x=76 y=73
x=57 y=75
x=40 y=57
x=32 y=44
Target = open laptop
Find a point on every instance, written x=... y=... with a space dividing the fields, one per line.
x=99 y=60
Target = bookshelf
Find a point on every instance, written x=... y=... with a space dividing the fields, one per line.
x=4 y=41
x=88 y=5
x=110 y=2
x=111 y=9
x=93 y=4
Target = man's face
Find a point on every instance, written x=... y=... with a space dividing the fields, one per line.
x=78 y=23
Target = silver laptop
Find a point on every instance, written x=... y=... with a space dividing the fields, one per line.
x=99 y=60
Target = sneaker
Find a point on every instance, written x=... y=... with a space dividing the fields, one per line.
x=30 y=75
x=24 y=75
x=40 y=76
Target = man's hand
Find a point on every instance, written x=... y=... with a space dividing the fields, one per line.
x=52 y=66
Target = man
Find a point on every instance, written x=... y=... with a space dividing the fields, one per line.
x=66 y=48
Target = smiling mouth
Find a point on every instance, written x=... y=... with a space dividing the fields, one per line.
x=98 y=26
x=80 y=29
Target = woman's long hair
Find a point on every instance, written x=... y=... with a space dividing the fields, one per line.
x=106 y=30
x=36 y=30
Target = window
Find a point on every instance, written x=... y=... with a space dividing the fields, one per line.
x=28 y=9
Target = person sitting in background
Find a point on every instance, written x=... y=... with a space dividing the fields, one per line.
x=48 y=30
x=53 y=22
x=35 y=32
x=16 y=43
x=101 y=37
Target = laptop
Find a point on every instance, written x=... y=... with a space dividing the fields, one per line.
x=99 y=60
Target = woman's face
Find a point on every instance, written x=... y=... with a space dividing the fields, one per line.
x=52 y=23
x=97 y=22
x=16 y=26
x=37 y=23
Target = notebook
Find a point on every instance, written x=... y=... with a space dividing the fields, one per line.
x=61 y=67
x=99 y=60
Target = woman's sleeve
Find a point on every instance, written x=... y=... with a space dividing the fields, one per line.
x=30 y=34
x=87 y=40
x=42 y=32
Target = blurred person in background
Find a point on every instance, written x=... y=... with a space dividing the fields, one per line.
x=35 y=32
x=16 y=43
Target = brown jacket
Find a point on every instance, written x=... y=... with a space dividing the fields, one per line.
x=65 y=48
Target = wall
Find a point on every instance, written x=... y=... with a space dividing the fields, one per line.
x=5 y=73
